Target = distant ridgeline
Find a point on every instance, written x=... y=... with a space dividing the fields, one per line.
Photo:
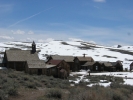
x=55 y=65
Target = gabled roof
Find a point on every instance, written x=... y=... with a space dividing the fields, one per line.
x=54 y=62
x=117 y=62
x=113 y=63
x=65 y=58
x=89 y=64
x=90 y=59
x=21 y=55
x=107 y=64
x=36 y=64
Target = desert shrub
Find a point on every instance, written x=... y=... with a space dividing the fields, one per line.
x=125 y=91
x=12 y=91
x=76 y=90
x=128 y=87
x=115 y=85
x=12 y=75
x=3 y=80
x=118 y=95
x=30 y=85
x=38 y=84
x=54 y=93
x=65 y=82
x=43 y=80
x=98 y=93
x=25 y=78
x=84 y=93
x=119 y=79
x=48 y=85
x=63 y=86
x=124 y=86
x=51 y=78
x=2 y=95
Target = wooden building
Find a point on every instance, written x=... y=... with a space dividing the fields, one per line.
x=118 y=65
x=62 y=69
x=80 y=61
x=94 y=66
x=97 y=66
x=88 y=65
x=17 y=59
x=50 y=70
x=35 y=67
x=75 y=63
x=67 y=59
x=108 y=67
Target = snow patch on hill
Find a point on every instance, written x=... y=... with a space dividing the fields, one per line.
x=77 y=48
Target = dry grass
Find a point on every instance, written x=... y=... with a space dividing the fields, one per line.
x=16 y=85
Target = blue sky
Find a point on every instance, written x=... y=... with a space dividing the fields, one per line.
x=106 y=22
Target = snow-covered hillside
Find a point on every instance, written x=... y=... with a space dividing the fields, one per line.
x=77 y=48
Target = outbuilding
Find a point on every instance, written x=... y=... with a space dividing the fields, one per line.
x=35 y=67
x=62 y=69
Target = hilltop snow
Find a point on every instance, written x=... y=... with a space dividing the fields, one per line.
x=77 y=48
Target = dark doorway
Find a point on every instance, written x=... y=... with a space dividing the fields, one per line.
x=39 y=71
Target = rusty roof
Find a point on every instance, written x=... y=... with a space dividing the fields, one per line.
x=54 y=62
x=65 y=58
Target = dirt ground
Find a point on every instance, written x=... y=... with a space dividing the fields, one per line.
x=28 y=94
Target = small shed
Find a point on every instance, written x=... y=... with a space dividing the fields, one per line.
x=35 y=67
x=79 y=61
x=62 y=68
x=50 y=70
x=97 y=66
x=88 y=65
x=118 y=65
x=108 y=66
